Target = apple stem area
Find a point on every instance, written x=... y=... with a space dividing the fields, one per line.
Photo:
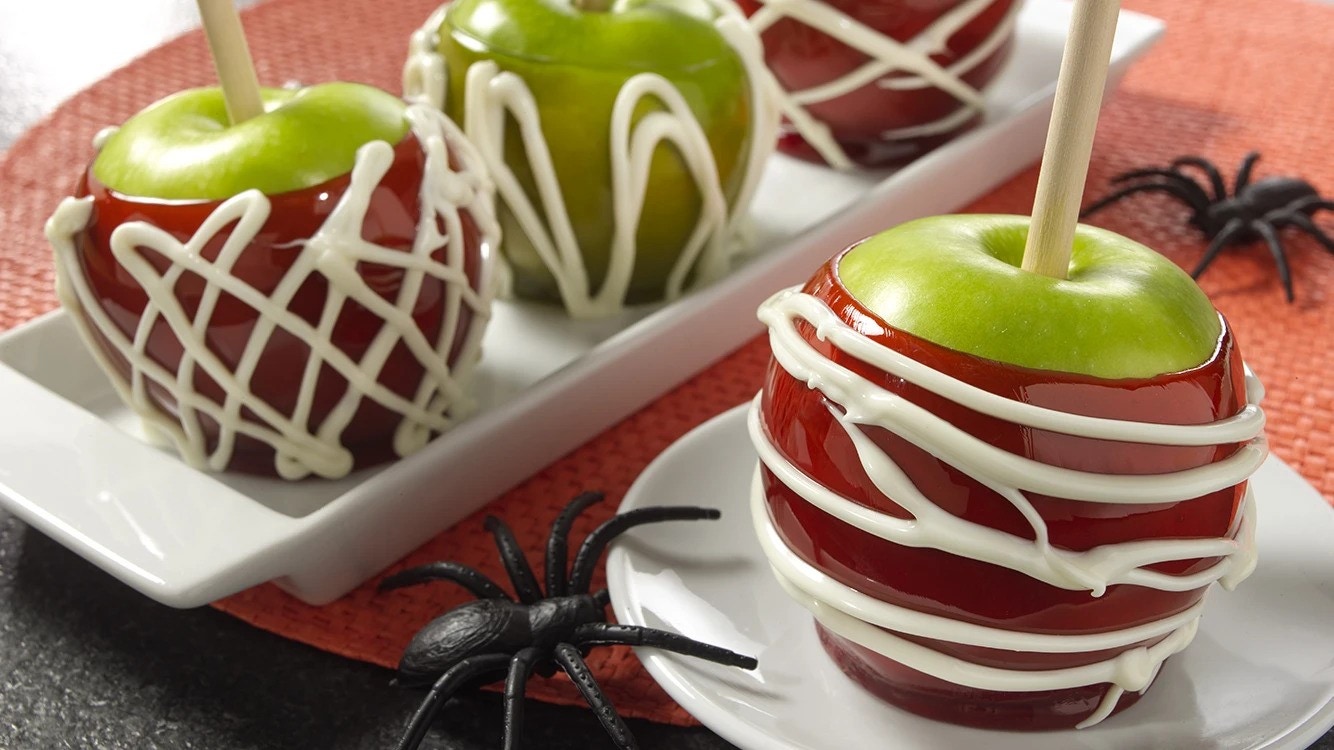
x=593 y=6
x=1065 y=161
x=231 y=58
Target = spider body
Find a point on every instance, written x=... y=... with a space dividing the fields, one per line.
x=499 y=637
x=494 y=626
x=1257 y=200
x=1253 y=210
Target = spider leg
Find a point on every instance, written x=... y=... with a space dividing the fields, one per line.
x=1304 y=223
x=469 y=578
x=558 y=544
x=1191 y=187
x=1266 y=230
x=608 y=634
x=1229 y=232
x=516 y=564
x=521 y=668
x=444 y=688
x=1159 y=187
x=1245 y=170
x=1301 y=214
x=574 y=665
x=1211 y=171
x=581 y=577
x=1310 y=206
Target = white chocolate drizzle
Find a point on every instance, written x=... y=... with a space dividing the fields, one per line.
x=856 y=402
x=493 y=96
x=101 y=137
x=333 y=252
x=888 y=56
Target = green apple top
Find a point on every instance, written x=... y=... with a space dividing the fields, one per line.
x=634 y=34
x=184 y=147
x=1124 y=312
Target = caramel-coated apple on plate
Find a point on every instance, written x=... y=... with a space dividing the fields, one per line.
x=1003 y=459
x=880 y=82
x=626 y=138
x=302 y=292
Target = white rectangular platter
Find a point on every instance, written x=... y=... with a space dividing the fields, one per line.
x=74 y=465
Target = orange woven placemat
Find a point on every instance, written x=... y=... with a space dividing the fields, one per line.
x=1230 y=77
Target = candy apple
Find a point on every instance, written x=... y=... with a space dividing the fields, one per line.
x=626 y=138
x=291 y=294
x=883 y=80
x=987 y=485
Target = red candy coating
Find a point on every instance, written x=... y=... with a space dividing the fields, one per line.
x=391 y=221
x=801 y=427
x=803 y=58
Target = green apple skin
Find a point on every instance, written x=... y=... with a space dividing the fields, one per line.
x=184 y=147
x=1124 y=312
x=575 y=63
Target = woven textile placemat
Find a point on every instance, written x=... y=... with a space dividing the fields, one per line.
x=1229 y=77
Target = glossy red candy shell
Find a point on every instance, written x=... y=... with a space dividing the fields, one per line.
x=802 y=428
x=803 y=57
x=391 y=221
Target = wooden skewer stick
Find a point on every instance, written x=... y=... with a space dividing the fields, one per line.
x=1065 y=162
x=231 y=57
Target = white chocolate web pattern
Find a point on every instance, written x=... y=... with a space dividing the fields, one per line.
x=334 y=252
x=856 y=402
x=494 y=96
x=887 y=56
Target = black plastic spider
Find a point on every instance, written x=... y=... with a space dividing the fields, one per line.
x=481 y=641
x=1254 y=210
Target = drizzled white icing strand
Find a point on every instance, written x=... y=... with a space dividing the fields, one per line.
x=850 y=601
x=888 y=56
x=865 y=403
x=425 y=78
x=933 y=528
x=493 y=96
x=861 y=402
x=1131 y=670
x=856 y=402
x=790 y=305
x=333 y=252
x=102 y=136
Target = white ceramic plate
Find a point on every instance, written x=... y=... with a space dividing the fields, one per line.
x=1260 y=674
x=72 y=463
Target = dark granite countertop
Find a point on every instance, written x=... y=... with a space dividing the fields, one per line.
x=86 y=662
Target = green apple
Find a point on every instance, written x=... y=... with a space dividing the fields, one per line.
x=1124 y=312
x=575 y=59
x=184 y=147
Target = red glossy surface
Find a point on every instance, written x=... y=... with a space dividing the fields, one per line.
x=803 y=57
x=933 y=581
x=944 y=701
x=391 y=222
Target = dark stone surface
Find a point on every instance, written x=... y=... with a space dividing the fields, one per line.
x=86 y=662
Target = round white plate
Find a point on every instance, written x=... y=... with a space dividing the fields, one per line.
x=1260 y=674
